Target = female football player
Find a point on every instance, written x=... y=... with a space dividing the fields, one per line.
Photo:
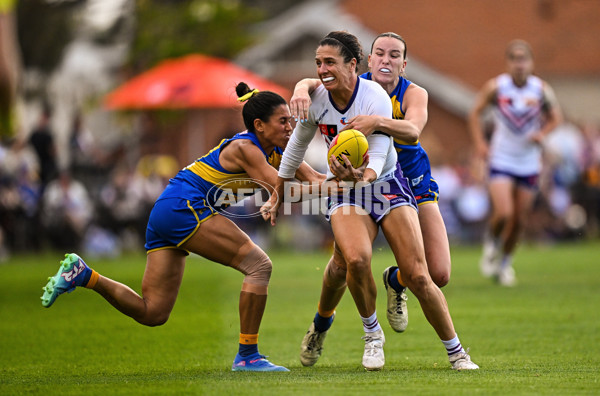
x=186 y=218
x=382 y=199
x=525 y=111
x=387 y=65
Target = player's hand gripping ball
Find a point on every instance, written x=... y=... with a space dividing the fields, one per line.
x=353 y=144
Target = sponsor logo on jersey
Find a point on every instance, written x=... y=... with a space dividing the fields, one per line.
x=416 y=180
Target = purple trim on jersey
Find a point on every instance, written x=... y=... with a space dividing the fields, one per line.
x=518 y=120
x=350 y=102
x=518 y=125
x=529 y=181
x=377 y=198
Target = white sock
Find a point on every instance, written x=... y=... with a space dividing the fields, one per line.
x=453 y=346
x=371 y=324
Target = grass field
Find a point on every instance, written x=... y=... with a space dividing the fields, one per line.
x=541 y=337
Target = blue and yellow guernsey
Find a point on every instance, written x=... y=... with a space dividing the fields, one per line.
x=411 y=156
x=206 y=180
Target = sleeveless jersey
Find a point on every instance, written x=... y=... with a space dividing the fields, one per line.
x=517 y=115
x=206 y=174
x=411 y=156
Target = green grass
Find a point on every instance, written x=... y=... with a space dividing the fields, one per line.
x=541 y=337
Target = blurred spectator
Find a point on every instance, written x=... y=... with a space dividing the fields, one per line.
x=122 y=207
x=42 y=141
x=67 y=212
x=449 y=184
x=588 y=186
x=89 y=161
x=19 y=197
x=472 y=204
x=83 y=150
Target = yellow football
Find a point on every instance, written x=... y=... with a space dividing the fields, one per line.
x=353 y=144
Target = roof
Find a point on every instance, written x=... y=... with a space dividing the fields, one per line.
x=309 y=22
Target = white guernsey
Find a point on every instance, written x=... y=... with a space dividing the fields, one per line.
x=368 y=99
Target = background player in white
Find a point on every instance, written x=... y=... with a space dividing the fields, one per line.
x=355 y=221
x=387 y=64
x=525 y=111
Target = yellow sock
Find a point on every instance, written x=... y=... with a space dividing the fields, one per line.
x=400 y=278
x=93 y=280
x=248 y=339
x=325 y=314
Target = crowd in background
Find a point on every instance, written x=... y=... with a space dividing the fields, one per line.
x=99 y=203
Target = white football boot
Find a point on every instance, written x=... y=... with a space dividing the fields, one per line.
x=373 y=357
x=489 y=264
x=462 y=361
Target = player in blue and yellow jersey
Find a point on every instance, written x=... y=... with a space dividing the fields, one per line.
x=387 y=64
x=185 y=218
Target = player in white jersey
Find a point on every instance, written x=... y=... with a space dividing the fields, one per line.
x=387 y=63
x=384 y=200
x=525 y=111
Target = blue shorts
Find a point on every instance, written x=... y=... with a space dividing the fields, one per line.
x=378 y=198
x=417 y=170
x=173 y=221
x=426 y=191
x=530 y=181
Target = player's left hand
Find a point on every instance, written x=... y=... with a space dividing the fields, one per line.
x=346 y=172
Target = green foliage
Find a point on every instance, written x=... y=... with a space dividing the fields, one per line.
x=168 y=29
x=541 y=337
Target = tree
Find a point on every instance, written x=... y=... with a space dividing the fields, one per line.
x=173 y=28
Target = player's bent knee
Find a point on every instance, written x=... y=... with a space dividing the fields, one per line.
x=154 y=319
x=441 y=279
x=358 y=260
x=257 y=267
x=417 y=283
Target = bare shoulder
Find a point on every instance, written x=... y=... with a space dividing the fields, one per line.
x=239 y=152
x=549 y=95
x=490 y=86
x=416 y=90
x=245 y=147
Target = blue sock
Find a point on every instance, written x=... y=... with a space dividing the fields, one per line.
x=322 y=324
x=248 y=349
x=393 y=281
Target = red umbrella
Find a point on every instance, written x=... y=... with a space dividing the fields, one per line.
x=190 y=81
